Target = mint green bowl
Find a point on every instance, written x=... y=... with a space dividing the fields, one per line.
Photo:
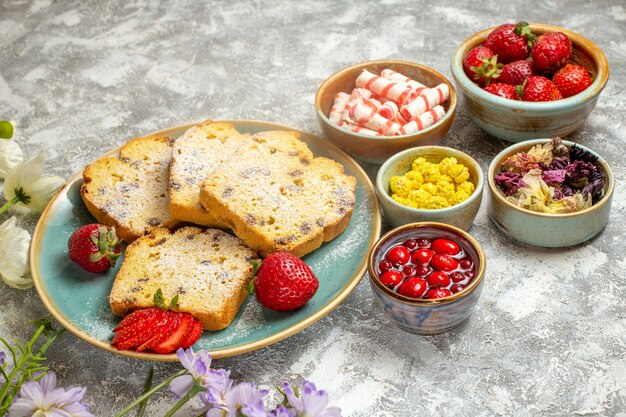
x=542 y=229
x=514 y=120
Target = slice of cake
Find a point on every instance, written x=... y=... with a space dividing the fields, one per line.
x=131 y=192
x=208 y=270
x=196 y=154
x=276 y=196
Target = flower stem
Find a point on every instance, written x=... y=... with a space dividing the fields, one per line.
x=9 y=204
x=192 y=393
x=149 y=393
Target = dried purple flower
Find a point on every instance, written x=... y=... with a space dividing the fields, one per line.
x=509 y=182
x=559 y=163
x=576 y=153
x=558 y=148
x=554 y=176
x=579 y=173
x=595 y=186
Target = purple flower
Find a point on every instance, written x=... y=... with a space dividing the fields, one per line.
x=3 y=357
x=558 y=194
x=244 y=397
x=559 y=163
x=509 y=182
x=576 y=153
x=311 y=402
x=595 y=186
x=282 y=411
x=198 y=365
x=579 y=173
x=42 y=398
x=554 y=176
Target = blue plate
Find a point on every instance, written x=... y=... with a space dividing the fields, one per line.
x=79 y=300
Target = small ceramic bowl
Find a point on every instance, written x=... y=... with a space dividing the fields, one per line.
x=376 y=149
x=461 y=215
x=514 y=120
x=542 y=229
x=427 y=316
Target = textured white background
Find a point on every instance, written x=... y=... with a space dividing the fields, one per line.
x=549 y=334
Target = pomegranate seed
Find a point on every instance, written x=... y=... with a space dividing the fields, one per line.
x=384 y=266
x=470 y=274
x=456 y=288
x=423 y=242
x=409 y=270
x=423 y=270
x=466 y=263
x=391 y=278
x=410 y=244
x=398 y=255
x=445 y=246
x=457 y=277
x=438 y=279
x=413 y=287
x=422 y=256
x=437 y=293
x=443 y=262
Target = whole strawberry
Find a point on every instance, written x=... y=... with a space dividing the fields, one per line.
x=94 y=247
x=503 y=90
x=284 y=282
x=551 y=52
x=511 y=42
x=481 y=65
x=538 y=88
x=516 y=72
x=571 y=80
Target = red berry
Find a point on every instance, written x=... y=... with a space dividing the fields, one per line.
x=437 y=293
x=540 y=88
x=409 y=270
x=413 y=288
x=94 y=247
x=422 y=256
x=551 y=52
x=502 y=90
x=423 y=270
x=398 y=255
x=284 y=282
x=384 y=266
x=508 y=42
x=457 y=288
x=571 y=80
x=480 y=65
x=445 y=246
x=438 y=279
x=410 y=244
x=457 y=277
x=423 y=242
x=444 y=262
x=391 y=278
x=466 y=263
x=470 y=274
x=516 y=72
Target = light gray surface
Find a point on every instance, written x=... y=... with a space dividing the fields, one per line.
x=549 y=334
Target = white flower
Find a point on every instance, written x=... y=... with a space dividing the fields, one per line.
x=10 y=156
x=14 y=244
x=30 y=185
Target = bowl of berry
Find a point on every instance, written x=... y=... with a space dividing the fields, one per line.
x=426 y=277
x=375 y=109
x=524 y=81
x=550 y=192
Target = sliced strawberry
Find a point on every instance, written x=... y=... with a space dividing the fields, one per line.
x=192 y=335
x=164 y=330
x=148 y=332
x=137 y=324
x=173 y=342
x=132 y=318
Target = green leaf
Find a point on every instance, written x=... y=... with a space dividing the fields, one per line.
x=21 y=196
x=256 y=264
x=6 y=129
x=158 y=299
x=173 y=302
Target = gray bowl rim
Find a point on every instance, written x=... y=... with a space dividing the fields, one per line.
x=412 y=136
x=496 y=162
x=424 y=150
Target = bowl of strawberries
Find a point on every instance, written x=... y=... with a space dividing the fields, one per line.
x=523 y=81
